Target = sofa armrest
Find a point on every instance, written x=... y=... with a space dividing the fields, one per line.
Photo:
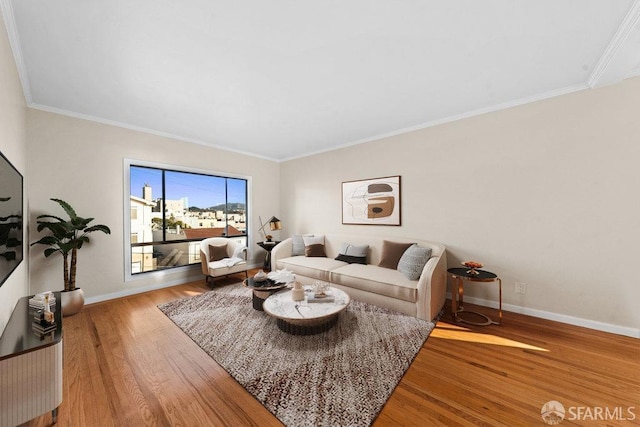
x=432 y=287
x=280 y=251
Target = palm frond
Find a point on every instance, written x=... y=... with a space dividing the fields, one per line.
x=67 y=208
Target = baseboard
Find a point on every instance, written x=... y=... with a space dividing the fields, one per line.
x=562 y=318
x=153 y=287
x=142 y=289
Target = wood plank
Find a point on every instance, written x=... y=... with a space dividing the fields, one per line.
x=128 y=364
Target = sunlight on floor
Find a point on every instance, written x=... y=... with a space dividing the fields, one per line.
x=193 y=293
x=448 y=331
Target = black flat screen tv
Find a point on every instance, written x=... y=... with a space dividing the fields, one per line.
x=11 y=219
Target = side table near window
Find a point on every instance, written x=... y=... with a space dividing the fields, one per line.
x=458 y=277
x=267 y=246
x=30 y=367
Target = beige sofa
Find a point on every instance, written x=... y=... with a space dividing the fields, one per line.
x=384 y=287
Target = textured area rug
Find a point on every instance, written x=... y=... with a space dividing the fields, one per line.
x=341 y=377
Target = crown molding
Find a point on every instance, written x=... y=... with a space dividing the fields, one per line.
x=621 y=54
x=14 y=42
x=90 y=118
x=449 y=119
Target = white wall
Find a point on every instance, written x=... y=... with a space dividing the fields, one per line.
x=545 y=194
x=82 y=162
x=13 y=112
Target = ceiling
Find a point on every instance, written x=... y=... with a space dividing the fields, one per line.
x=285 y=78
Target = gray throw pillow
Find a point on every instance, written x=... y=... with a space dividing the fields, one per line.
x=297 y=248
x=413 y=261
x=354 y=250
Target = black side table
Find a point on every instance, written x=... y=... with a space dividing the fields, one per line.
x=262 y=290
x=458 y=277
x=267 y=246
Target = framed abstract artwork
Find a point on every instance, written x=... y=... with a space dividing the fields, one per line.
x=371 y=201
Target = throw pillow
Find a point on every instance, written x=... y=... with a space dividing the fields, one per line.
x=297 y=247
x=391 y=253
x=353 y=254
x=217 y=252
x=413 y=261
x=238 y=251
x=354 y=250
x=314 y=246
x=352 y=259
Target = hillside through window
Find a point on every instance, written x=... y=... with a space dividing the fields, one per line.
x=172 y=211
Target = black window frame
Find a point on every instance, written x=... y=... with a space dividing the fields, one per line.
x=163 y=169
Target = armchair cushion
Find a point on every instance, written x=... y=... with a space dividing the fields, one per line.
x=217 y=252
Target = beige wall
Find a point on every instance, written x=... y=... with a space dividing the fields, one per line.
x=545 y=194
x=13 y=145
x=82 y=162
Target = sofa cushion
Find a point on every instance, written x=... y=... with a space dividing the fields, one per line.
x=313 y=267
x=413 y=261
x=217 y=252
x=378 y=280
x=391 y=253
x=314 y=246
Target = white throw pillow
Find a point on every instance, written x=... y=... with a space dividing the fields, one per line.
x=313 y=240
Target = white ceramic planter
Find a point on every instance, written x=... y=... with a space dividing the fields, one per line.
x=72 y=301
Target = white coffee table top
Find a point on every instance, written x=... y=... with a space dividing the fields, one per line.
x=281 y=306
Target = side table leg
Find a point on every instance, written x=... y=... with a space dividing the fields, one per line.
x=500 y=301
x=456 y=291
x=54 y=415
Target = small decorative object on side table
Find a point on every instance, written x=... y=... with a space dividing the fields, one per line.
x=471 y=274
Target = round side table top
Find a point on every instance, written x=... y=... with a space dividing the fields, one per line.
x=266 y=285
x=463 y=272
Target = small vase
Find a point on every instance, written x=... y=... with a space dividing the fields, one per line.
x=297 y=293
x=260 y=276
x=71 y=301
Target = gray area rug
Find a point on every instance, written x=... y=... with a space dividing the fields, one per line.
x=341 y=377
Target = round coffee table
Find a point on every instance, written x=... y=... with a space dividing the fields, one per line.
x=307 y=317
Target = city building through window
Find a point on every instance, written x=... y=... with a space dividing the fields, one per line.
x=173 y=210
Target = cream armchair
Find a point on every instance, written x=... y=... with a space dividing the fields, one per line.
x=220 y=257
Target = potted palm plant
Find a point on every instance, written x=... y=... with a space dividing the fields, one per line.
x=66 y=237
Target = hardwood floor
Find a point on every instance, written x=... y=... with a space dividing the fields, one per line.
x=126 y=364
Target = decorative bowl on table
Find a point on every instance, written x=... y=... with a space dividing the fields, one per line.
x=260 y=276
x=473 y=267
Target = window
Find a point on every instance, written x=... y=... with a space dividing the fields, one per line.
x=172 y=210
